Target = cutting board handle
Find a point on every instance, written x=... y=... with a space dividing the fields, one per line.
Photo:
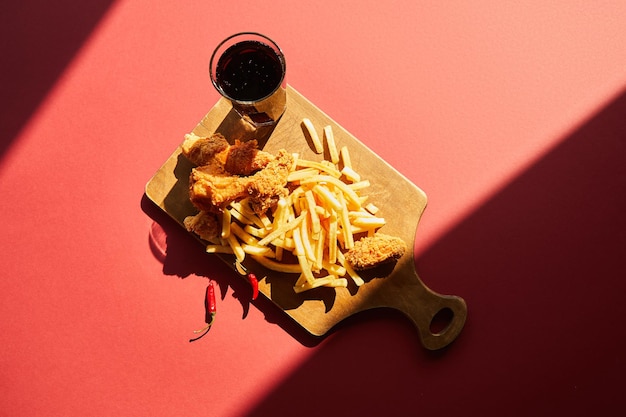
x=439 y=318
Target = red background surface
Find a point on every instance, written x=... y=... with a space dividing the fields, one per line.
x=511 y=117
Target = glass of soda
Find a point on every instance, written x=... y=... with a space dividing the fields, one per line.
x=248 y=69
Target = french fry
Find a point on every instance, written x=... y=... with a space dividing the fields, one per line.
x=344 y=153
x=329 y=169
x=258 y=250
x=360 y=213
x=306 y=268
x=236 y=214
x=282 y=229
x=294 y=200
x=372 y=208
x=369 y=222
x=344 y=222
x=301 y=174
x=301 y=282
x=316 y=223
x=225 y=224
x=285 y=244
x=327 y=281
x=351 y=174
x=297 y=240
x=248 y=214
x=334 y=269
x=327 y=196
x=329 y=138
x=238 y=211
x=320 y=245
x=349 y=270
x=312 y=134
x=337 y=282
x=322 y=212
x=280 y=217
x=278 y=266
x=240 y=268
x=218 y=249
x=332 y=238
x=356 y=230
x=240 y=254
x=309 y=252
x=315 y=220
x=351 y=195
x=359 y=185
x=243 y=235
x=265 y=220
x=255 y=231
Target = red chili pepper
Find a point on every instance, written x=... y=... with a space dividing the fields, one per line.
x=211 y=310
x=210 y=303
x=255 y=285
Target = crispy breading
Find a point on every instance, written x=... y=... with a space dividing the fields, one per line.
x=371 y=251
x=206 y=225
x=212 y=188
x=200 y=150
x=269 y=184
x=225 y=173
x=244 y=158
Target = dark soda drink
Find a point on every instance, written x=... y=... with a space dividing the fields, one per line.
x=249 y=70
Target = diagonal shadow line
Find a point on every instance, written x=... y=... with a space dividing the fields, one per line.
x=38 y=39
x=541 y=265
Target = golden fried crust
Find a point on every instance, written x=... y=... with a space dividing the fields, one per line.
x=206 y=225
x=244 y=158
x=372 y=251
x=212 y=188
x=269 y=184
x=201 y=150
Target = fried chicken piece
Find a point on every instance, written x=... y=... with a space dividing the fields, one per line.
x=200 y=150
x=371 y=251
x=244 y=158
x=204 y=224
x=269 y=184
x=212 y=188
x=225 y=173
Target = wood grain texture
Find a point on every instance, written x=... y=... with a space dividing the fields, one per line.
x=401 y=203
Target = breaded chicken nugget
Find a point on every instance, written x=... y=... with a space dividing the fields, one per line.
x=371 y=251
x=206 y=225
x=201 y=150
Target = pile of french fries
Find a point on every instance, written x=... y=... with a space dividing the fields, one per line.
x=309 y=230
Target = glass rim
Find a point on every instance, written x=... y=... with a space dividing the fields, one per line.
x=272 y=44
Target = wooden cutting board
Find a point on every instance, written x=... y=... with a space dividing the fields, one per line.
x=401 y=203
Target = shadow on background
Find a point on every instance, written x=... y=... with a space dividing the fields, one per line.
x=37 y=41
x=182 y=255
x=542 y=268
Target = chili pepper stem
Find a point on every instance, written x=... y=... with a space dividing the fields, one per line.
x=205 y=328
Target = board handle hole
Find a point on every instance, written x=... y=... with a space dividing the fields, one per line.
x=441 y=321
